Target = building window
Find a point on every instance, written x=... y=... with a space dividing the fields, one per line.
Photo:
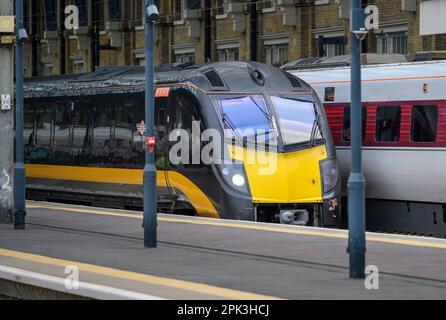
x=50 y=15
x=184 y=57
x=392 y=43
x=228 y=54
x=346 y=128
x=424 y=124
x=26 y=15
x=277 y=55
x=330 y=46
x=48 y=69
x=332 y=50
x=82 y=5
x=222 y=7
x=114 y=10
x=388 y=124
x=269 y=6
x=78 y=66
x=178 y=9
x=139 y=12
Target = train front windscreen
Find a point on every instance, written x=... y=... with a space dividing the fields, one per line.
x=291 y=121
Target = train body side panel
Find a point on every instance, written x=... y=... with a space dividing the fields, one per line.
x=404 y=174
x=117 y=178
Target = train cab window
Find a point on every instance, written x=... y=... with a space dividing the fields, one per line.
x=102 y=129
x=123 y=117
x=424 y=124
x=388 y=124
x=62 y=125
x=346 y=128
x=184 y=119
x=185 y=113
x=44 y=121
x=80 y=124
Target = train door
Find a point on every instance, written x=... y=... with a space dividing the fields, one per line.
x=185 y=170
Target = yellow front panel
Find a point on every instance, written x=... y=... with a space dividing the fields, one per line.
x=284 y=177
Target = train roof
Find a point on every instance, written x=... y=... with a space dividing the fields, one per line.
x=223 y=76
x=421 y=81
x=341 y=75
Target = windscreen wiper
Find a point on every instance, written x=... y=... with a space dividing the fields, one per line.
x=228 y=122
x=266 y=114
x=314 y=131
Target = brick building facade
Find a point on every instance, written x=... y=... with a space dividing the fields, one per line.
x=111 y=32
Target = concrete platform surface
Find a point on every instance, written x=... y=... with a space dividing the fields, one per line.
x=211 y=259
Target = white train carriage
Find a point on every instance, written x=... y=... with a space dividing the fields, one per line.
x=404 y=133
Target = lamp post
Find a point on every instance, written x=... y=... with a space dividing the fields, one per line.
x=356 y=182
x=19 y=194
x=149 y=178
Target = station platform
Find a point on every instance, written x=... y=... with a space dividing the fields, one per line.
x=206 y=259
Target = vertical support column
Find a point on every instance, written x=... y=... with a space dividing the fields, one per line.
x=19 y=194
x=6 y=124
x=254 y=16
x=95 y=38
x=356 y=182
x=149 y=178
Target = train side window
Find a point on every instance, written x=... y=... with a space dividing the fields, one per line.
x=80 y=124
x=123 y=117
x=424 y=124
x=44 y=121
x=138 y=115
x=62 y=125
x=346 y=127
x=388 y=124
x=102 y=129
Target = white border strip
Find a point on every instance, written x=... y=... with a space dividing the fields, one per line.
x=86 y=290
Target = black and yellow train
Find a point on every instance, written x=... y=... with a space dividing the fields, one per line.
x=82 y=142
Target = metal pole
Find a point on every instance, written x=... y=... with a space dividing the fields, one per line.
x=19 y=195
x=150 y=210
x=356 y=182
x=6 y=122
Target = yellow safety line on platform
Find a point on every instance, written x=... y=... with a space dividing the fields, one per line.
x=428 y=243
x=140 y=277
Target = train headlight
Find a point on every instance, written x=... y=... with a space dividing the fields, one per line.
x=330 y=174
x=234 y=177
x=238 y=180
